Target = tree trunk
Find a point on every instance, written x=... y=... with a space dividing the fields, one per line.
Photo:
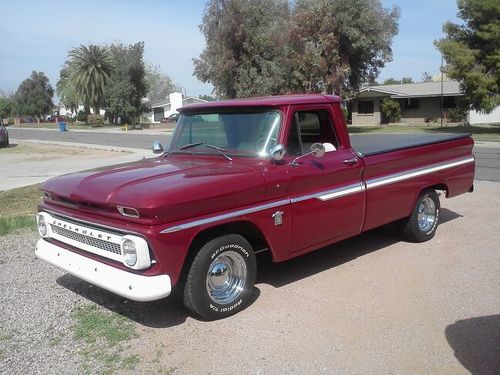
x=96 y=111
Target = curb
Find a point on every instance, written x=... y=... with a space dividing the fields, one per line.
x=139 y=151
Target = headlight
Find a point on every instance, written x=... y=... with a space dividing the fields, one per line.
x=129 y=252
x=41 y=224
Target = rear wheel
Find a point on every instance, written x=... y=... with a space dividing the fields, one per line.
x=421 y=225
x=221 y=278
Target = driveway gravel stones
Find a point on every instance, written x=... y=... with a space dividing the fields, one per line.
x=372 y=304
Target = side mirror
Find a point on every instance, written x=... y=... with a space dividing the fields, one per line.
x=278 y=152
x=157 y=147
x=318 y=150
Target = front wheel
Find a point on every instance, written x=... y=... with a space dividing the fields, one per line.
x=422 y=223
x=221 y=278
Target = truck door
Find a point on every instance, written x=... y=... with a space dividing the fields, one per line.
x=327 y=193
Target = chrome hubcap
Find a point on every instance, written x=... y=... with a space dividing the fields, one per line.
x=226 y=277
x=426 y=214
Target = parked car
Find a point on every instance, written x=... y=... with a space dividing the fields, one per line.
x=172 y=119
x=278 y=174
x=4 y=136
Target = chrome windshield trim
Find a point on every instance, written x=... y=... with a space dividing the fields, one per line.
x=229 y=215
x=396 y=177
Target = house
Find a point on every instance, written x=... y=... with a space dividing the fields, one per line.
x=419 y=102
x=159 y=109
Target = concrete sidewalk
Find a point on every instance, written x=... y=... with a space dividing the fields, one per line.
x=32 y=162
x=103 y=130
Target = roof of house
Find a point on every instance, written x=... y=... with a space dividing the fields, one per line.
x=267 y=101
x=166 y=101
x=416 y=90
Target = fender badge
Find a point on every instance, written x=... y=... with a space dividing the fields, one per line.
x=278 y=218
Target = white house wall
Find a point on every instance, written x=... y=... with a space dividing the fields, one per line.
x=481 y=118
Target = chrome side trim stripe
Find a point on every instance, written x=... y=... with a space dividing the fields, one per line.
x=229 y=215
x=340 y=192
x=381 y=181
x=326 y=195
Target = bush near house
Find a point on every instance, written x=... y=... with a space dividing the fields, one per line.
x=95 y=120
x=81 y=116
x=458 y=114
x=390 y=110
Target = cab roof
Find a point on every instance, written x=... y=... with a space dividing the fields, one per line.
x=267 y=101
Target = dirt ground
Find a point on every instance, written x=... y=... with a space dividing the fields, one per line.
x=25 y=163
x=372 y=304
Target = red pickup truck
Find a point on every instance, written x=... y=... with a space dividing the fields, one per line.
x=240 y=177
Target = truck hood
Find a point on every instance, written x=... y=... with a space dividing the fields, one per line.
x=163 y=189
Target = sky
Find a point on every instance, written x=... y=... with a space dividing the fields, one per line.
x=37 y=35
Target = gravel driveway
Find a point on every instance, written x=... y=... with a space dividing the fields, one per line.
x=371 y=304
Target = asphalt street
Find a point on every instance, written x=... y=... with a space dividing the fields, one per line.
x=487 y=157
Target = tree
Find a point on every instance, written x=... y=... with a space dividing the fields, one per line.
x=126 y=85
x=159 y=84
x=426 y=77
x=66 y=90
x=245 y=47
x=472 y=52
x=265 y=47
x=34 y=96
x=7 y=104
x=338 y=45
x=402 y=81
x=90 y=68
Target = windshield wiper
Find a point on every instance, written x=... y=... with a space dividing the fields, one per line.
x=191 y=145
x=221 y=151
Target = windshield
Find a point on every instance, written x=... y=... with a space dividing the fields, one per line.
x=236 y=133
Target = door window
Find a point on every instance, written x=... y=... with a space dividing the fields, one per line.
x=311 y=127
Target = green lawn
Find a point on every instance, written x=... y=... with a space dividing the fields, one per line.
x=486 y=132
x=18 y=208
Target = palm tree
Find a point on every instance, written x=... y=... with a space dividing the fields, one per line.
x=90 y=67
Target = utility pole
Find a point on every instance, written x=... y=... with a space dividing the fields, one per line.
x=441 y=106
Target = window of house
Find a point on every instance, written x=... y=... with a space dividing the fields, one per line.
x=365 y=107
x=159 y=113
x=449 y=102
x=411 y=103
x=310 y=127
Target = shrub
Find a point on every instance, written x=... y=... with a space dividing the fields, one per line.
x=390 y=110
x=458 y=114
x=95 y=120
x=81 y=116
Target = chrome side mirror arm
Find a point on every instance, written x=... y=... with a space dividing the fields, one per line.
x=317 y=150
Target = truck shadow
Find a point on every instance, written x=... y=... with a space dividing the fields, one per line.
x=280 y=274
x=169 y=312
x=166 y=312
x=476 y=343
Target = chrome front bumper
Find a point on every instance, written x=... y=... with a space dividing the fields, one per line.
x=126 y=284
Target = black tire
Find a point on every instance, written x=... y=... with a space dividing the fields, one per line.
x=427 y=209
x=221 y=278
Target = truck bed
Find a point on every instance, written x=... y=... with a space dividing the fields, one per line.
x=373 y=144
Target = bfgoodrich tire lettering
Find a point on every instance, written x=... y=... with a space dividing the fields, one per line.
x=422 y=223
x=221 y=278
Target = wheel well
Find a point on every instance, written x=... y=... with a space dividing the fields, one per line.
x=245 y=228
x=442 y=187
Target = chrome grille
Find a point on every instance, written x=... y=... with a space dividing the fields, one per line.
x=91 y=241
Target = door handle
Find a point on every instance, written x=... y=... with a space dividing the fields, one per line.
x=351 y=161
